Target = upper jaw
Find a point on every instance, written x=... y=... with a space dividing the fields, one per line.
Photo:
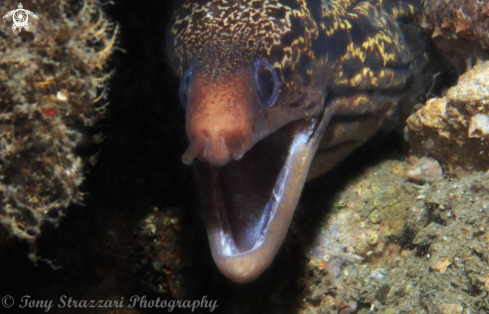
x=244 y=244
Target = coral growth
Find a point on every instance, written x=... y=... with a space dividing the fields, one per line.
x=52 y=84
x=454 y=129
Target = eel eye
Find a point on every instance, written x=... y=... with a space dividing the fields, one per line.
x=184 y=87
x=266 y=81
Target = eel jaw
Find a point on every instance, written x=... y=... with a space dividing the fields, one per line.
x=248 y=204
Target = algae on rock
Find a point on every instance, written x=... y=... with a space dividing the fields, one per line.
x=53 y=81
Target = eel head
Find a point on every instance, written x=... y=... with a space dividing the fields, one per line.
x=255 y=116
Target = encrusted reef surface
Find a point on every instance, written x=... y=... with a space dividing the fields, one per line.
x=455 y=129
x=460 y=29
x=165 y=250
x=52 y=86
x=468 y=19
x=424 y=247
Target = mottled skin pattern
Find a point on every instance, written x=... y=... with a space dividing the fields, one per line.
x=295 y=38
x=245 y=29
x=344 y=68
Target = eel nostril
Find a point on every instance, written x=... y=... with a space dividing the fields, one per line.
x=192 y=151
x=235 y=146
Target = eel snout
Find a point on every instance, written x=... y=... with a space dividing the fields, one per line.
x=223 y=118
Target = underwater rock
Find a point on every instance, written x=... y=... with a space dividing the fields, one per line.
x=52 y=86
x=425 y=170
x=454 y=129
x=332 y=254
x=450 y=308
x=460 y=30
x=431 y=252
x=479 y=126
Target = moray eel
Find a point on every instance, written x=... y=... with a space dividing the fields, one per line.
x=276 y=92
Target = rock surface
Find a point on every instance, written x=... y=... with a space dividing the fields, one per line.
x=454 y=129
x=460 y=30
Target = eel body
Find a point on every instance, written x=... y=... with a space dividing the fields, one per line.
x=276 y=93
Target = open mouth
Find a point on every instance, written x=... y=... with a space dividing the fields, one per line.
x=249 y=190
x=248 y=204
